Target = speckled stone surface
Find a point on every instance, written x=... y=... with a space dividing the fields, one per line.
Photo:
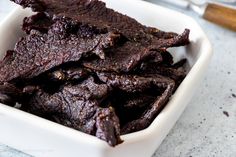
x=207 y=128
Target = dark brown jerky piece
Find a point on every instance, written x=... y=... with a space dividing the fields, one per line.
x=152 y=68
x=160 y=58
x=52 y=80
x=39 y=21
x=34 y=4
x=149 y=114
x=138 y=101
x=108 y=126
x=161 y=34
x=96 y=14
x=37 y=52
x=68 y=74
x=174 y=71
x=179 y=64
x=134 y=83
x=77 y=106
x=9 y=94
x=156 y=57
x=128 y=56
x=167 y=58
x=130 y=106
x=119 y=59
x=17 y=97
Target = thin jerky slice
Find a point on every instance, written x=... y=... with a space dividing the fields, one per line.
x=130 y=106
x=128 y=56
x=180 y=64
x=167 y=58
x=39 y=21
x=137 y=101
x=72 y=74
x=108 y=126
x=95 y=13
x=10 y=94
x=134 y=83
x=160 y=58
x=52 y=80
x=151 y=112
x=120 y=59
x=175 y=71
x=152 y=68
x=161 y=34
x=77 y=106
x=37 y=52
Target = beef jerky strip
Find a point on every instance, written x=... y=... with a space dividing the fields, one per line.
x=9 y=94
x=179 y=64
x=42 y=23
x=95 y=13
x=77 y=106
x=161 y=34
x=138 y=101
x=166 y=67
x=149 y=115
x=132 y=83
x=39 y=21
x=130 y=106
x=68 y=74
x=128 y=56
x=160 y=58
x=37 y=52
x=152 y=68
x=126 y=101
x=167 y=58
x=52 y=80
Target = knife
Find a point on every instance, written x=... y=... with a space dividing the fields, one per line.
x=217 y=13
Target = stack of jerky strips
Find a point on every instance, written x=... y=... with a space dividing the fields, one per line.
x=90 y=68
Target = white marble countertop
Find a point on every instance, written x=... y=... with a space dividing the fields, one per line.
x=207 y=128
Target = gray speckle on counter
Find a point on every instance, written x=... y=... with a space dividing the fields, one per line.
x=233 y=95
x=203 y=129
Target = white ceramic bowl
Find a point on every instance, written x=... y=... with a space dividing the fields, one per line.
x=40 y=137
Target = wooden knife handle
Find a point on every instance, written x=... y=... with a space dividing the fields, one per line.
x=221 y=15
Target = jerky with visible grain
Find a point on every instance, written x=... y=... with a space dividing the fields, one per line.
x=127 y=57
x=38 y=52
x=78 y=106
x=10 y=94
x=134 y=83
x=95 y=13
x=39 y=21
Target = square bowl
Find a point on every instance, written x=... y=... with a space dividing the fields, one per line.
x=43 y=138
